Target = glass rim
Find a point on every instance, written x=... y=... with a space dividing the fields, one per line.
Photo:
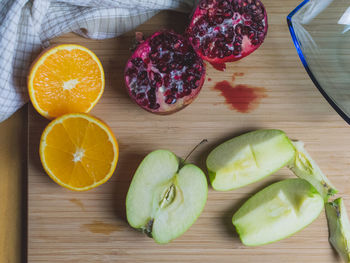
x=306 y=66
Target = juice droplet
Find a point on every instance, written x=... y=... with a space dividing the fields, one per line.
x=242 y=98
x=209 y=79
x=237 y=74
x=78 y=203
x=219 y=66
x=99 y=227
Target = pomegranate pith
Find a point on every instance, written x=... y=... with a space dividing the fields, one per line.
x=164 y=74
x=227 y=30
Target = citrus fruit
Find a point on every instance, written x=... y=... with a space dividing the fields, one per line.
x=65 y=79
x=78 y=151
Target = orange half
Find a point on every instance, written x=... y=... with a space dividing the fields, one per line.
x=65 y=79
x=78 y=151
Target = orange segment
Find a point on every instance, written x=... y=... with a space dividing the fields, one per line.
x=78 y=151
x=65 y=79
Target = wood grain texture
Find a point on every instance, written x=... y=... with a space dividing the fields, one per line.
x=13 y=187
x=65 y=226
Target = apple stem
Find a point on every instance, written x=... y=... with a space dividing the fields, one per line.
x=188 y=155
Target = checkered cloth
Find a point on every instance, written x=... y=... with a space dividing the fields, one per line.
x=26 y=26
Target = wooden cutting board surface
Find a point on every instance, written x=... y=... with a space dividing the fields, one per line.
x=65 y=226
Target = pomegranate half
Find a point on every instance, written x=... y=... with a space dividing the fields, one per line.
x=164 y=74
x=227 y=30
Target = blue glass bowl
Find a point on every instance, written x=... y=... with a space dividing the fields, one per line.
x=321 y=33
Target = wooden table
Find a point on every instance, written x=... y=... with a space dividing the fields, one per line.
x=13 y=159
x=91 y=227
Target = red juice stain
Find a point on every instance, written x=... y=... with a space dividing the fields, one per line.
x=209 y=79
x=219 y=66
x=242 y=98
x=237 y=74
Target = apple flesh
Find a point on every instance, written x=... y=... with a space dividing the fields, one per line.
x=339 y=228
x=248 y=158
x=277 y=212
x=165 y=196
x=306 y=168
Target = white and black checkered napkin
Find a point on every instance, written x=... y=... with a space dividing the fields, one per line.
x=27 y=25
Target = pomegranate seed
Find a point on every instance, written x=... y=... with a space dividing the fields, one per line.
x=157 y=77
x=238 y=29
x=166 y=80
x=187 y=92
x=151 y=95
x=167 y=92
x=251 y=35
x=236 y=52
x=137 y=62
x=228 y=14
x=170 y=100
x=247 y=16
x=142 y=75
x=253 y=7
x=131 y=72
x=203 y=5
x=255 y=41
x=154 y=106
x=248 y=22
x=154 y=57
x=227 y=53
x=144 y=102
x=163 y=68
x=261 y=36
x=140 y=96
x=239 y=39
x=189 y=78
x=218 y=20
x=165 y=58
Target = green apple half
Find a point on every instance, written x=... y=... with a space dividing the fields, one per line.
x=339 y=228
x=248 y=158
x=306 y=168
x=165 y=196
x=277 y=211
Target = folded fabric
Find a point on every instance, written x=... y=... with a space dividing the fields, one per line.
x=27 y=26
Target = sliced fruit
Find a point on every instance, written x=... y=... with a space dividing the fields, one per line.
x=165 y=197
x=78 y=151
x=339 y=228
x=164 y=74
x=248 y=158
x=223 y=31
x=305 y=167
x=65 y=79
x=277 y=212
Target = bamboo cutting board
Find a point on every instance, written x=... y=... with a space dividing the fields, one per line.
x=65 y=226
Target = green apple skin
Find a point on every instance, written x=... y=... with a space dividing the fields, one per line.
x=248 y=158
x=306 y=168
x=165 y=196
x=278 y=211
x=339 y=228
